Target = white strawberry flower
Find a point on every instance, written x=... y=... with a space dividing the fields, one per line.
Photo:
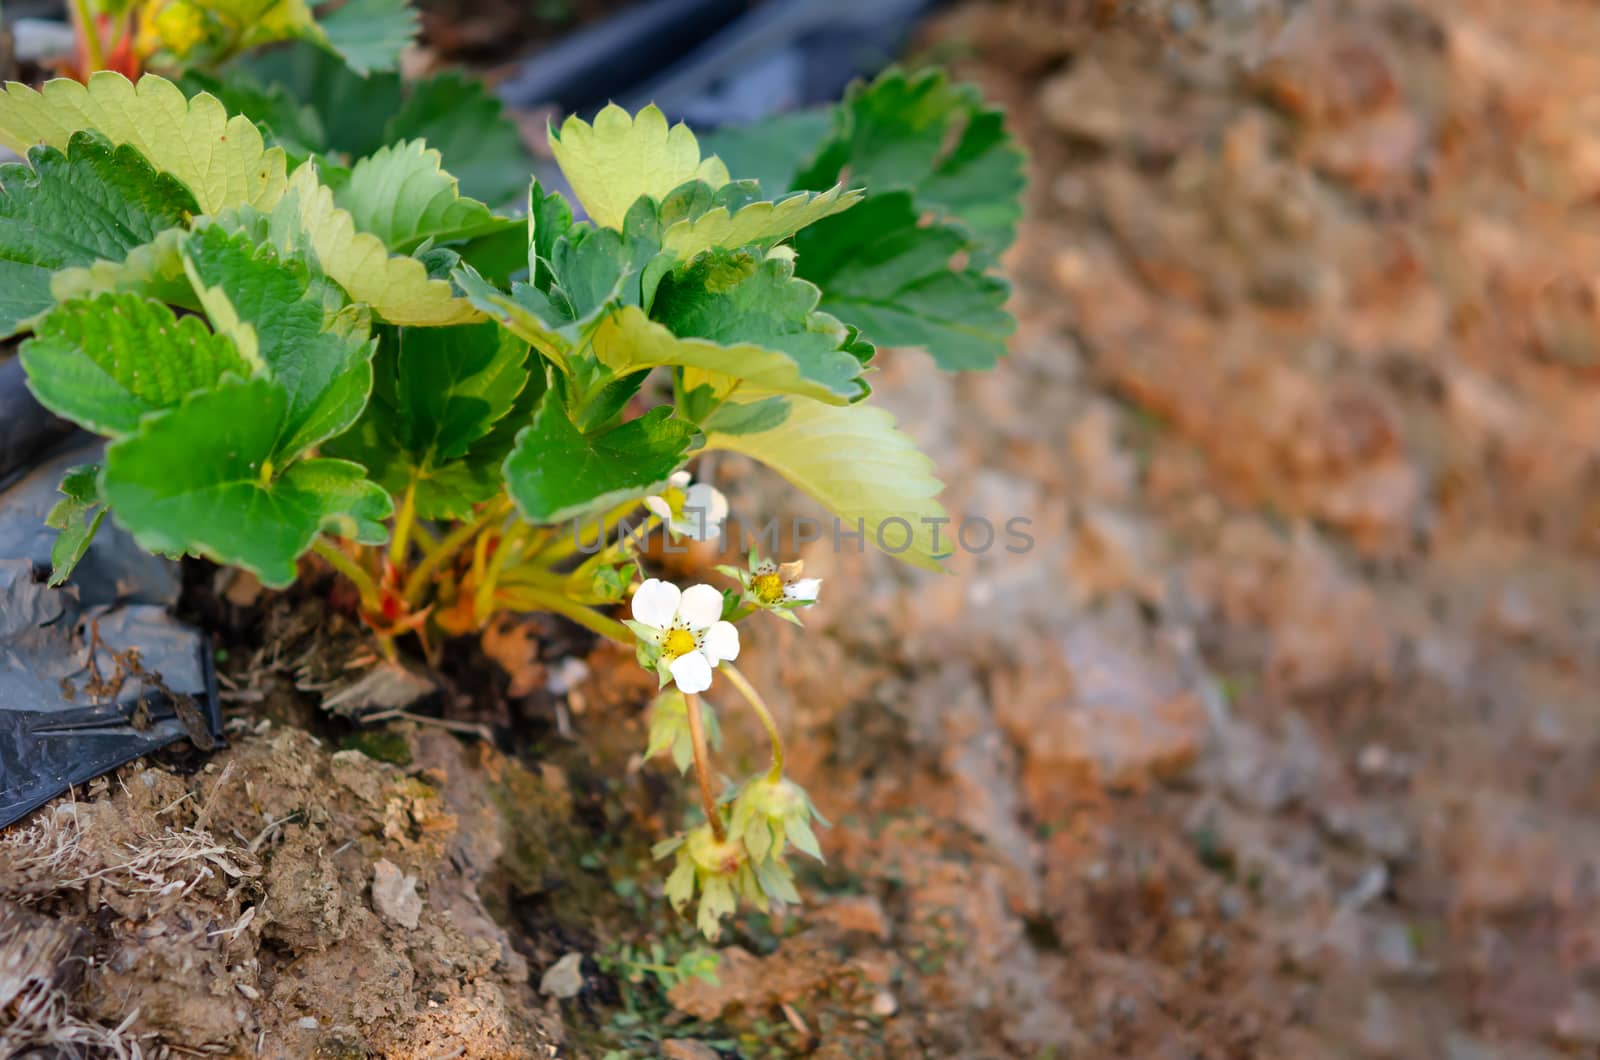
x=775 y=587
x=694 y=511
x=682 y=632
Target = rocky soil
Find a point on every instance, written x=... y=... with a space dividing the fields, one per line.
x=1280 y=741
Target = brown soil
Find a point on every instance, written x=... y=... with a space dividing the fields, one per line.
x=1280 y=742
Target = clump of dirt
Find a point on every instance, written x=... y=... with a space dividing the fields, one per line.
x=291 y=900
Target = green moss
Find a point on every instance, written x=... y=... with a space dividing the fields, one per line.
x=382 y=745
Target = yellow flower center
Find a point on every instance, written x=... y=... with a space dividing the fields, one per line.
x=768 y=588
x=678 y=642
x=675 y=499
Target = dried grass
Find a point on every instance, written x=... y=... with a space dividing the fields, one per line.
x=40 y=1018
x=51 y=857
x=48 y=857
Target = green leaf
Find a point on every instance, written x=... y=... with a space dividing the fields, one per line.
x=588 y=271
x=453 y=384
x=93 y=203
x=78 y=516
x=369 y=35
x=549 y=218
x=761 y=223
x=753 y=417
x=499 y=255
x=403 y=196
x=351 y=110
x=860 y=467
x=923 y=134
x=107 y=361
x=619 y=158
x=892 y=277
x=556 y=471
x=223 y=161
x=445 y=410
x=456 y=114
x=467 y=124
x=526 y=312
x=294 y=327
x=774 y=150
x=154 y=270
x=201 y=478
x=24 y=294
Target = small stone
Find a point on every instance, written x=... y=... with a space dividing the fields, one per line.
x=861 y=914
x=884 y=1005
x=307 y=1022
x=687 y=1049
x=1369 y=887
x=566 y=675
x=563 y=979
x=394 y=895
x=1579 y=1022
x=1394 y=949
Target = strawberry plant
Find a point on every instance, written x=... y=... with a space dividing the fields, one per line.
x=132 y=36
x=297 y=358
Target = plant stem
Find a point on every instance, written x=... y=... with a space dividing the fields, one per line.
x=402 y=526
x=702 y=768
x=94 y=49
x=566 y=544
x=748 y=691
x=425 y=540
x=483 y=596
x=371 y=597
x=452 y=543
x=536 y=599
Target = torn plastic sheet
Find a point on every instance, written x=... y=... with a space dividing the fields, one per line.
x=96 y=673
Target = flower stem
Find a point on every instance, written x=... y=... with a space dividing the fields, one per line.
x=702 y=768
x=402 y=526
x=533 y=598
x=371 y=597
x=748 y=691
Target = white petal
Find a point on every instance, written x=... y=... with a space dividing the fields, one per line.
x=721 y=643
x=658 y=507
x=691 y=672
x=710 y=500
x=804 y=589
x=701 y=606
x=704 y=509
x=655 y=603
x=679 y=479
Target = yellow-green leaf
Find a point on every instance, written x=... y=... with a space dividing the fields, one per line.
x=397 y=288
x=861 y=468
x=611 y=163
x=628 y=340
x=759 y=222
x=222 y=160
